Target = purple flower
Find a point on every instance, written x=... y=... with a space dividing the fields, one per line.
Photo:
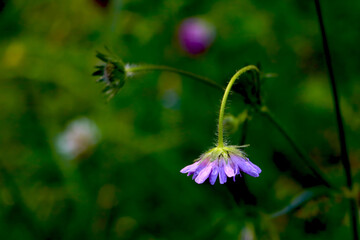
x=224 y=162
x=195 y=35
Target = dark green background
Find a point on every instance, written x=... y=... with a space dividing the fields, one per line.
x=130 y=186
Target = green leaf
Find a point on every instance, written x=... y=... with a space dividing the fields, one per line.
x=301 y=199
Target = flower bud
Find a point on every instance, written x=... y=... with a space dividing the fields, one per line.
x=112 y=73
x=231 y=123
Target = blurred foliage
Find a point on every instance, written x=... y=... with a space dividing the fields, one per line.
x=129 y=185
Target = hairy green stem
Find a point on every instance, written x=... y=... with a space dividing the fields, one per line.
x=316 y=171
x=224 y=99
x=144 y=68
x=344 y=153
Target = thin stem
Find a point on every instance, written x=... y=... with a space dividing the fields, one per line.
x=316 y=171
x=224 y=99
x=23 y=212
x=143 y=68
x=343 y=148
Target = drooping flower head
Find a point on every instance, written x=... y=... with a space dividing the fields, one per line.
x=227 y=161
x=223 y=161
x=196 y=35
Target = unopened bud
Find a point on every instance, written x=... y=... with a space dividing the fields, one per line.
x=231 y=123
x=112 y=73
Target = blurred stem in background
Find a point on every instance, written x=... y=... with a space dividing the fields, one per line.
x=316 y=171
x=18 y=209
x=343 y=148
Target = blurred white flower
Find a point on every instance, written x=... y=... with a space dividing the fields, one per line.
x=79 y=136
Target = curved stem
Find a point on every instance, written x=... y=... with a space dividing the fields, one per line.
x=224 y=99
x=144 y=68
x=316 y=171
x=344 y=153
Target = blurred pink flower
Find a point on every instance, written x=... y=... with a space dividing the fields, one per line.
x=196 y=35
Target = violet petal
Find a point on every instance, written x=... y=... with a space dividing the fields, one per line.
x=203 y=174
x=190 y=168
x=229 y=170
x=214 y=174
x=222 y=175
x=246 y=166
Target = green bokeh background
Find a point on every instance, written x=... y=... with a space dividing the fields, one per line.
x=129 y=186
